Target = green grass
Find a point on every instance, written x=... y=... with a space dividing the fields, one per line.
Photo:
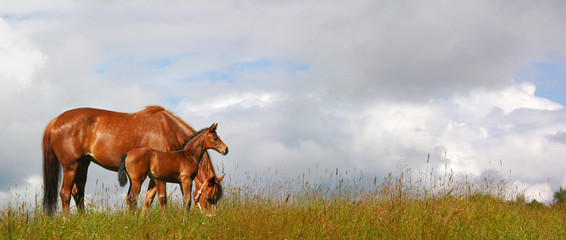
x=399 y=207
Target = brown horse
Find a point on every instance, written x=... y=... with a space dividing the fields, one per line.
x=75 y=138
x=179 y=166
x=208 y=194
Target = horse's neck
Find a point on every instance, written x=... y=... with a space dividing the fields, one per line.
x=206 y=170
x=196 y=147
x=184 y=127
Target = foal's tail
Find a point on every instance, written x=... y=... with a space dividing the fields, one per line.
x=122 y=175
x=51 y=171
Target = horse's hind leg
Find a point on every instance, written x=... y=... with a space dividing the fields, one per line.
x=135 y=187
x=68 y=180
x=80 y=182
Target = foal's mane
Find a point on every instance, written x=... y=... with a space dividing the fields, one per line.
x=206 y=166
x=191 y=138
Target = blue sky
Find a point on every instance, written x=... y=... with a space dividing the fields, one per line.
x=550 y=80
x=367 y=85
x=548 y=75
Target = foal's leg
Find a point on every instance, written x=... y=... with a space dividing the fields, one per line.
x=151 y=191
x=161 y=193
x=135 y=187
x=187 y=185
x=80 y=181
x=149 y=198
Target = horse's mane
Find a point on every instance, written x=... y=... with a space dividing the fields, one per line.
x=205 y=166
x=155 y=109
x=191 y=138
x=152 y=109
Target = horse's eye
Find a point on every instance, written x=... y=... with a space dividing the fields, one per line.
x=214 y=139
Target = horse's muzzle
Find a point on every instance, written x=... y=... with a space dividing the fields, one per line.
x=226 y=152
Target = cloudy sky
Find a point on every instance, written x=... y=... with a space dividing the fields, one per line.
x=300 y=86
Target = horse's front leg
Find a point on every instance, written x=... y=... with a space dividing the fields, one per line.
x=149 y=198
x=161 y=194
x=151 y=191
x=187 y=185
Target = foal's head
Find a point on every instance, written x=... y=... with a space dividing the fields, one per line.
x=208 y=194
x=213 y=141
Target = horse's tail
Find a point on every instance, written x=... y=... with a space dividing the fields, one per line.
x=122 y=175
x=51 y=171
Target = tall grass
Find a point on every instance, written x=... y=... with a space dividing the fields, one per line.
x=404 y=205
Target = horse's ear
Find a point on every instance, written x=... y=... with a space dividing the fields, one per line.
x=222 y=177
x=212 y=127
x=211 y=181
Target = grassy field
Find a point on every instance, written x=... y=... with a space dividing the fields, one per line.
x=397 y=207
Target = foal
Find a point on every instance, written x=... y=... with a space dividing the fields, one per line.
x=179 y=166
x=207 y=192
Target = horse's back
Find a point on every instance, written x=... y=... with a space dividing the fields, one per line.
x=82 y=122
x=80 y=118
x=72 y=131
x=137 y=153
x=90 y=115
x=156 y=164
x=105 y=135
x=139 y=156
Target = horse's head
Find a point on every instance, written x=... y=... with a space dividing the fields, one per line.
x=214 y=142
x=209 y=194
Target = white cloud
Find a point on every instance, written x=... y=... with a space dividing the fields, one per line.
x=471 y=133
x=380 y=81
x=26 y=193
x=222 y=102
x=542 y=192
x=511 y=126
x=15 y=7
x=19 y=60
x=481 y=102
